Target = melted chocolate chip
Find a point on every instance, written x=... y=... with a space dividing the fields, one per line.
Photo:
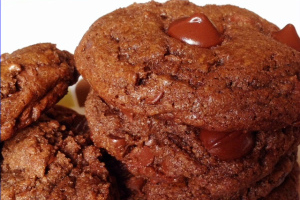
x=227 y=146
x=195 y=30
x=118 y=144
x=288 y=35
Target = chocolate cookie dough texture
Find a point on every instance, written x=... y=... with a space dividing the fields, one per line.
x=195 y=102
x=33 y=79
x=53 y=158
x=165 y=157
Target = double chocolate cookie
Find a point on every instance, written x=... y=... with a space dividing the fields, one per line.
x=33 y=79
x=54 y=158
x=194 y=102
x=157 y=60
x=170 y=159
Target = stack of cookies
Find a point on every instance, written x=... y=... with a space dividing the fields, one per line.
x=194 y=102
x=185 y=102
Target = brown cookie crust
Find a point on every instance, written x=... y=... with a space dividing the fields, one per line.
x=166 y=152
x=32 y=80
x=289 y=189
x=286 y=189
x=54 y=158
x=249 y=82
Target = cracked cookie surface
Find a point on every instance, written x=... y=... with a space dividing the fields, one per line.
x=32 y=80
x=54 y=158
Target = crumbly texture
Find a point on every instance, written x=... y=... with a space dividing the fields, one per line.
x=33 y=79
x=248 y=82
x=54 y=158
x=167 y=153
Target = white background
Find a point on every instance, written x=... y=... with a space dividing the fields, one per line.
x=63 y=22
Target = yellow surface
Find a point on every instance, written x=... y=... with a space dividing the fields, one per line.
x=67 y=101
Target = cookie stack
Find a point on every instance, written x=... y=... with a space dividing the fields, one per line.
x=186 y=102
x=195 y=102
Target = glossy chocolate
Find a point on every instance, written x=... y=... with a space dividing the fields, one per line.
x=227 y=146
x=118 y=143
x=288 y=35
x=195 y=30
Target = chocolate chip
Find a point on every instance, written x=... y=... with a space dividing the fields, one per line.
x=227 y=145
x=195 y=30
x=288 y=35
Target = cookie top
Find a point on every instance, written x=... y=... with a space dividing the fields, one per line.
x=164 y=152
x=248 y=81
x=32 y=80
x=54 y=158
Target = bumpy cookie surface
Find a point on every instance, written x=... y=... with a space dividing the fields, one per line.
x=149 y=190
x=249 y=81
x=289 y=189
x=54 y=158
x=32 y=80
x=165 y=153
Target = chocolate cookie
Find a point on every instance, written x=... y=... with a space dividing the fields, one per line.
x=169 y=155
x=143 y=59
x=53 y=158
x=32 y=80
x=136 y=187
x=149 y=190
